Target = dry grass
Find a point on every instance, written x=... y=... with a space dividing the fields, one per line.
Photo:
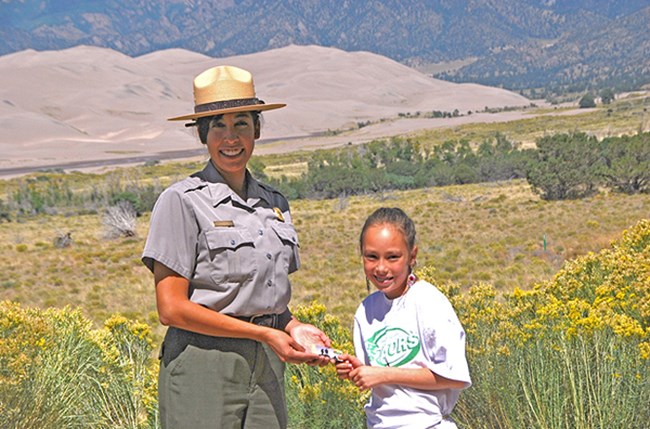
x=489 y=232
x=290 y=170
x=101 y=276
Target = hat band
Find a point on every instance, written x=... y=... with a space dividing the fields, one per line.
x=227 y=104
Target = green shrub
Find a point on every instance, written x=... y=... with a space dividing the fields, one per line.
x=587 y=101
x=627 y=163
x=565 y=166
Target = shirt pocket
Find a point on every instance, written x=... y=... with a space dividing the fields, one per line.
x=232 y=255
x=289 y=238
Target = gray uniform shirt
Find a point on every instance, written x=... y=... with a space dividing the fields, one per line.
x=236 y=254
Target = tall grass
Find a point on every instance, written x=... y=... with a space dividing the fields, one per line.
x=584 y=382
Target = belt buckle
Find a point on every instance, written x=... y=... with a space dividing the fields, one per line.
x=268 y=320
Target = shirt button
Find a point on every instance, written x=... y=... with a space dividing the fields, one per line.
x=232 y=242
x=269 y=256
x=269 y=283
x=260 y=232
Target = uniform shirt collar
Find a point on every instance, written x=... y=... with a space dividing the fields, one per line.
x=255 y=192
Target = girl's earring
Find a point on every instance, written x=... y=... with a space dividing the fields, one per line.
x=412 y=278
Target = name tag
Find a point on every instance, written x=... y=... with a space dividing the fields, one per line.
x=223 y=223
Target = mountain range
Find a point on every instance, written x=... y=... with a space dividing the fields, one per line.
x=532 y=45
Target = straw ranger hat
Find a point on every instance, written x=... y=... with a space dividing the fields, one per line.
x=224 y=89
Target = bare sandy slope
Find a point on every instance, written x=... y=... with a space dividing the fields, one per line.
x=86 y=103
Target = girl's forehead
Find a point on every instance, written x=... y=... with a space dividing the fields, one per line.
x=384 y=228
x=384 y=231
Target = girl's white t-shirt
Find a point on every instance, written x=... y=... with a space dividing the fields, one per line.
x=417 y=330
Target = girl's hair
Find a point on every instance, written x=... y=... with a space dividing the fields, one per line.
x=203 y=124
x=392 y=216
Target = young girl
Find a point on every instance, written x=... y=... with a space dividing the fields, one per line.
x=409 y=344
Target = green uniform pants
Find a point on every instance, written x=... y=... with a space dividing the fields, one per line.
x=219 y=383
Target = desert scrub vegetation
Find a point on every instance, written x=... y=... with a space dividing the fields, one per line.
x=57 y=371
x=500 y=233
x=80 y=193
x=561 y=166
x=573 y=351
x=316 y=398
x=571 y=166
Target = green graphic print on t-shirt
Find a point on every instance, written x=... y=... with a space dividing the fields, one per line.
x=392 y=347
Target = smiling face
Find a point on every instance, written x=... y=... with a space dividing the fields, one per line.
x=230 y=140
x=387 y=260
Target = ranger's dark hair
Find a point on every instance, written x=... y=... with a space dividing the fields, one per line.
x=392 y=216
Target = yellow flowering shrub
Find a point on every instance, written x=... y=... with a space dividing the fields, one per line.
x=21 y=338
x=609 y=290
x=316 y=397
x=565 y=349
x=101 y=378
x=605 y=290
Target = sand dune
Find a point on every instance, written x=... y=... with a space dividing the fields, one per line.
x=89 y=103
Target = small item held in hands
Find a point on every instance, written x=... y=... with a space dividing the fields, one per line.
x=313 y=344
x=329 y=352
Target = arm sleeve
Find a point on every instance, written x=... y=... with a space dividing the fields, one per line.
x=294 y=261
x=444 y=340
x=173 y=234
x=359 y=346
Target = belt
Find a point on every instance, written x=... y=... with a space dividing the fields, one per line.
x=268 y=320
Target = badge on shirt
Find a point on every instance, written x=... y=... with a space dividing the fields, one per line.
x=278 y=214
x=223 y=223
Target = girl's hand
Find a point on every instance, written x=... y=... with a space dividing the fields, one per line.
x=346 y=363
x=366 y=377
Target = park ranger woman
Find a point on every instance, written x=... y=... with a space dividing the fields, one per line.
x=221 y=246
